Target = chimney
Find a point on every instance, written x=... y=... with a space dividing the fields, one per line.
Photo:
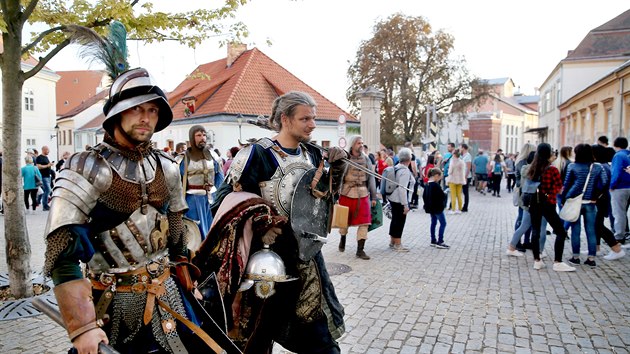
x=234 y=50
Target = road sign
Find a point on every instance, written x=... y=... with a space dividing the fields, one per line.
x=341 y=130
x=342 y=143
x=341 y=119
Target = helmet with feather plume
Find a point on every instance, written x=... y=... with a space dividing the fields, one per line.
x=129 y=88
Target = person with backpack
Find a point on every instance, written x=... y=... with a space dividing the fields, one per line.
x=400 y=199
x=545 y=178
x=497 y=168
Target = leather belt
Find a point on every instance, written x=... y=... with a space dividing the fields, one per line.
x=205 y=187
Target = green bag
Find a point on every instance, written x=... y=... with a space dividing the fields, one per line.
x=377 y=216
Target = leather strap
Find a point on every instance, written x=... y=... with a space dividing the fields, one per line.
x=79 y=331
x=318 y=175
x=154 y=289
x=193 y=327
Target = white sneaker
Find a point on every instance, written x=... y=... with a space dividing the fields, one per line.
x=539 y=265
x=450 y=212
x=563 y=267
x=615 y=255
x=458 y=212
x=514 y=253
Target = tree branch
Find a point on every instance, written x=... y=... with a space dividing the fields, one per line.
x=40 y=38
x=43 y=61
x=29 y=10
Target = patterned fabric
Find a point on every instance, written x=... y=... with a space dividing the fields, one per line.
x=550 y=184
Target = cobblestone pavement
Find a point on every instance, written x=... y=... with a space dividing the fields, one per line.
x=471 y=298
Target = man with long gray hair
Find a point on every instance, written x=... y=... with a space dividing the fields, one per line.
x=358 y=193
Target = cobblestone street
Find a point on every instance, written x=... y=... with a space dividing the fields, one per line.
x=470 y=298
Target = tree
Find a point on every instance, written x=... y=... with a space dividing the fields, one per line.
x=142 y=22
x=413 y=67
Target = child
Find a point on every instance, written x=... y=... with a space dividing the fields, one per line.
x=434 y=203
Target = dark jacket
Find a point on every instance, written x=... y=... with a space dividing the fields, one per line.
x=576 y=177
x=434 y=198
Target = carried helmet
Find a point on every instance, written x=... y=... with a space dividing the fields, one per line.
x=264 y=269
x=130 y=89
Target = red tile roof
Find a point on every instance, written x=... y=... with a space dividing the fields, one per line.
x=76 y=87
x=609 y=40
x=248 y=86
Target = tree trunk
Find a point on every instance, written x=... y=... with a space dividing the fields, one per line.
x=18 y=247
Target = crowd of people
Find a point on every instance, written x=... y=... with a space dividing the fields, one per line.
x=597 y=175
x=128 y=211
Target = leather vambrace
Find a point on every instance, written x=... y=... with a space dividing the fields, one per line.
x=76 y=306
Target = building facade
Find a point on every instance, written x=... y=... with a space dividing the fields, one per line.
x=601 y=51
x=602 y=108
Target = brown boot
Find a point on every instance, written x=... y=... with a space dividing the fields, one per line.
x=342 y=243
x=360 y=253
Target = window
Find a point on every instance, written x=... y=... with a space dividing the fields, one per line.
x=547 y=101
x=31 y=142
x=29 y=100
x=558 y=92
x=63 y=137
x=325 y=143
x=69 y=137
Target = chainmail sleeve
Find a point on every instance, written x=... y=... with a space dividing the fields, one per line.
x=56 y=243
x=177 y=235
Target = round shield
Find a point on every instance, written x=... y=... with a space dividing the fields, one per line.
x=194 y=234
x=309 y=217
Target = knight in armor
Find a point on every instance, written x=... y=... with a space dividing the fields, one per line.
x=201 y=175
x=260 y=206
x=358 y=193
x=117 y=208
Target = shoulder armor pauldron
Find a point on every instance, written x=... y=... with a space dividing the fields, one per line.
x=174 y=183
x=85 y=176
x=239 y=162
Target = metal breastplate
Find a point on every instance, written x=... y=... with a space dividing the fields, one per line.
x=131 y=244
x=200 y=174
x=280 y=188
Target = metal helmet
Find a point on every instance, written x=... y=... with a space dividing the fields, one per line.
x=264 y=269
x=132 y=88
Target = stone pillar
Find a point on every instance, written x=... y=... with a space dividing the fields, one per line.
x=371 y=117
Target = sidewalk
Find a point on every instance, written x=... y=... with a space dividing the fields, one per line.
x=471 y=298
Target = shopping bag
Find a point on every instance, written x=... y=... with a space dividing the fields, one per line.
x=377 y=216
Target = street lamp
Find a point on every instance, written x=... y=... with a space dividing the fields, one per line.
x=239 y=120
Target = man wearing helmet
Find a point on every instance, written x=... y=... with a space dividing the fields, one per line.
x=201 y=175
x=118 y=209
x=304 y=315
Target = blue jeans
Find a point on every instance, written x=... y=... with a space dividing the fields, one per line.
x=588 y=212
x=434 y=219
x=524 y=225
x=43 y=199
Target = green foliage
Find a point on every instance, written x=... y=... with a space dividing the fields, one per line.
x=413 y=66
x=139 y=17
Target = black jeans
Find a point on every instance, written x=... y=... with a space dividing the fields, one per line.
x=496 y=183
x=511 y=181
x=398 y=220
x=537 y=210
x=601 y=231
x=32 y=193
x=466 y=195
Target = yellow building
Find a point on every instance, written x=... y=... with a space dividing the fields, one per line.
x=602 y=108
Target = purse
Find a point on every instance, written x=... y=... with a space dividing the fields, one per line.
x=573 y=206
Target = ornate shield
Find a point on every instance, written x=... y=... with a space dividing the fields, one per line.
x=309 y=217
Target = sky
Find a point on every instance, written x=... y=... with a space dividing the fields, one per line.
x=317 y=39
